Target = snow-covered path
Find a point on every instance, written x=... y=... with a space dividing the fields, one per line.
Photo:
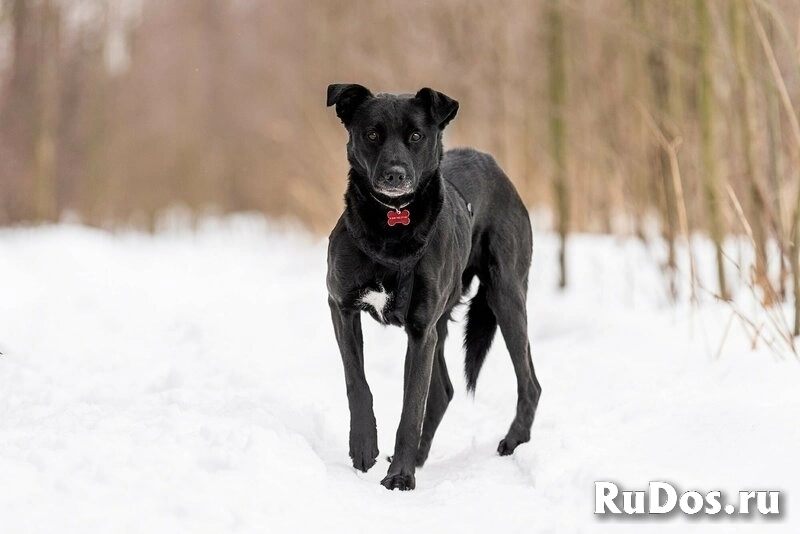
x=190 y=382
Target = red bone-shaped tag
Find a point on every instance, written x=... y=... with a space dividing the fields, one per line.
x=398 y=217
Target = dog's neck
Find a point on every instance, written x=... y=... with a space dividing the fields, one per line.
x=397 y=246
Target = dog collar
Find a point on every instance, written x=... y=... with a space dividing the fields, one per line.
x=397 y=214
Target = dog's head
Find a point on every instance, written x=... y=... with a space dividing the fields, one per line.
x=395 y=140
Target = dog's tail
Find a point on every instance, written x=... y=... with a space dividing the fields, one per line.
x=478 y=336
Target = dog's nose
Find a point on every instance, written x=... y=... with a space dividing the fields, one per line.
x=394 y=175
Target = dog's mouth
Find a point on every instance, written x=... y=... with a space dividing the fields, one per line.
x=394 y=192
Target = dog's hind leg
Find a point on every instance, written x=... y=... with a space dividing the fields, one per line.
x=440 y=394
x=507 y=301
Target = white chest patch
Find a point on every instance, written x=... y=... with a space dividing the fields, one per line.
x=377 y=300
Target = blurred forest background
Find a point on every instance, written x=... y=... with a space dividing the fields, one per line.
x=614 y=116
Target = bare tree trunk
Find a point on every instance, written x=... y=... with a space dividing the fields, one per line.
x=794 y=253
x=95 y=198
x=45 y=208
x=660 y=83
x=709 y=167
x=17 y=107
x=641 y=176
x=557 y=89
x=219 y=178
x=774 y=170
x=20 y=13
x=745 y=105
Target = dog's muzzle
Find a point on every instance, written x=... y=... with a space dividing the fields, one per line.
x=394 y=182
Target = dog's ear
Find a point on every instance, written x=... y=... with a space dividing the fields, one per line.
x=347 y=97
x=442 y=108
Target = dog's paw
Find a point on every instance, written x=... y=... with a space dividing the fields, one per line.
x=363 y=450
x=508 y=445
x=401 y=481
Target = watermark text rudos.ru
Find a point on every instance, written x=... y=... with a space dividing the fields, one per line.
x=662 y=498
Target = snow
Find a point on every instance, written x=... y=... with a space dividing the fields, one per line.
x=190 y=382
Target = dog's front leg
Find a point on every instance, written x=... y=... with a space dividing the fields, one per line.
x=363 y=431
x=419 y=364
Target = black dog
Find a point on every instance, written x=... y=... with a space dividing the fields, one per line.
x=418 y=226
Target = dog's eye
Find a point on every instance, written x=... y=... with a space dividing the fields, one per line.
x=372 y=135
x=415 y=137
